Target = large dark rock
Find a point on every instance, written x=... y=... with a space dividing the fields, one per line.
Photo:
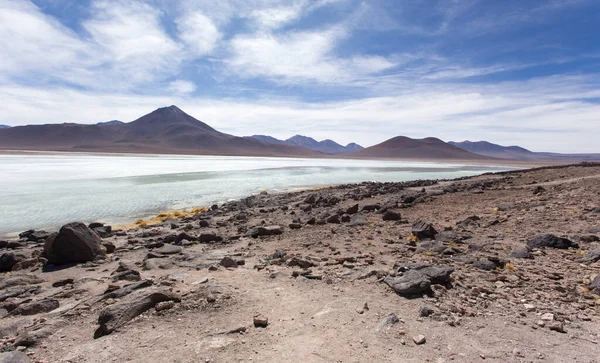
x=168 y=250
x=484 y=264
x=36 y=307
x=75 y=242
x=411 y=283
x=19 y=280
x=34 y=236
x=423 y=230
x=352 y=210
x=391 y=216
x=265 y=231
x=550 y=241
x=416 y=278
x=115 y=316
x=209 y=236
x=521 y=252
x=8 y=260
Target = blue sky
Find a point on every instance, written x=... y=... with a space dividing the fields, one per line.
x=511 y=72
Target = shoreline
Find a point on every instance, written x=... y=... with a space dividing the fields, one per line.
x=402 y=170
x=154 y=218
x=118 y=152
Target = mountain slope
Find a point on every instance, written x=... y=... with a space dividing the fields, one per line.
x=326 y=146
x=165 y=130
x=4 y=127
x=519 y=153
x=494 y=150
x=403 y=147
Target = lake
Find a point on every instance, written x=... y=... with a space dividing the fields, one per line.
x=44 y=191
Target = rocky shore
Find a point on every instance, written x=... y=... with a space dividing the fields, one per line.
x=499 y=267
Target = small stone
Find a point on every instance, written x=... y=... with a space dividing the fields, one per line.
x=547 y=317
x=529 y=307
x=420 y=339
x=228 y=262
x=260 y=321
x=540 y=323
x=557 y=326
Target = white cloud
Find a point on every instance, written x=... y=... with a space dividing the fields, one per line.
x=198 y=32
x=133 y=42
x=299 y=56
x=272 y=18
x=35 y=44
x=182 y=87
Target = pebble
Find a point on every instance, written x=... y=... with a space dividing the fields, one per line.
x=420 y=339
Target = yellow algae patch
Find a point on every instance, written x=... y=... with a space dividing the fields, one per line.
x=164 y=216
x=412 y=238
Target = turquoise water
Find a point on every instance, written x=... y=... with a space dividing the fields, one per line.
x=47 y=190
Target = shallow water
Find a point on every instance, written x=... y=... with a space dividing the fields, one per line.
x=47 y=190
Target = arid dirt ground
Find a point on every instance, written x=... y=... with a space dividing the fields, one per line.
x=321 y=271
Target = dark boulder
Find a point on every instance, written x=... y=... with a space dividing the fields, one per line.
x=484 y=264
x=209 y=236
x=265 y=231
x=8 y=260
x=417 y=278
x=391 y=216
x=75 y=242
x=36 y=307
x=352 y=210
x=115 y=316
x=34 y=236
x=168 y=250
x=550 y=241
x=423 y=230
x=411 y=283
x=103 y=231
x=228 y=262
x=335 y=219
x=523 y=252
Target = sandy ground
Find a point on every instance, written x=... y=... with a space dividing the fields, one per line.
x=520 y=310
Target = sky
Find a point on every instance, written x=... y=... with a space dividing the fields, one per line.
x=513 y=72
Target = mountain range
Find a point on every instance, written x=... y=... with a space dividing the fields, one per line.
x=326 y=146
x=428 y=148
x=518 y=153
x=165 y=130
x=170 y=130
x=4 y=127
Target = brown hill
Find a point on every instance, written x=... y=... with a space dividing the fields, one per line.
x=165 y=130
x=402 y=147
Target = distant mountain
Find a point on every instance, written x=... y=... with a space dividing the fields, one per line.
x=494 y=150
x=402 y=147
x=519 y=153
x=165 y=130
x=110 y=123
x=265 y=138
x=326 y=146
x=4 y=127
